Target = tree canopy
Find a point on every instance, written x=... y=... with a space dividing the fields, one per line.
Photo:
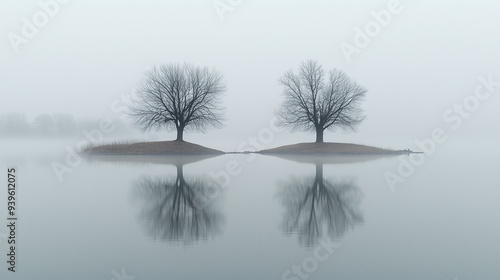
x=179 y=97
x=314 y=101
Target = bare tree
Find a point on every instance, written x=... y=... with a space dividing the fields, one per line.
x=179 y=97
x=314 y=102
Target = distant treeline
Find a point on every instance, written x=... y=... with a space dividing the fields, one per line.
x=60 y=124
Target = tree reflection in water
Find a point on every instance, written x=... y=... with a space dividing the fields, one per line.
x=180 y=210
x=316 y=208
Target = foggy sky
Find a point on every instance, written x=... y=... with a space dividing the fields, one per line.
x=426 y=59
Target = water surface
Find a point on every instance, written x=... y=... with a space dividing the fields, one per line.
x=156 y=218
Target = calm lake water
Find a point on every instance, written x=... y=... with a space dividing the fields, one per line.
x=274 y=218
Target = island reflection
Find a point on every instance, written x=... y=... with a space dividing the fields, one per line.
x=316 y=208
x=178 y=209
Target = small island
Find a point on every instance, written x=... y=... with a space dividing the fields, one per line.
x=187 y=148
x=326 y=148
x=179 y=97
x=152 y=148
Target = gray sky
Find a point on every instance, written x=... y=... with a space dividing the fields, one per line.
x=427 y=58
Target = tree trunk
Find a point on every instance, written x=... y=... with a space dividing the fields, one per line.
x=180 y=133
x=180 y=183
x=319 y=171
x=319 y=135
x=318 y=181
x=180 y=174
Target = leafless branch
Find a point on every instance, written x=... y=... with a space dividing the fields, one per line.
x=313 y=104
x=179 y=97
